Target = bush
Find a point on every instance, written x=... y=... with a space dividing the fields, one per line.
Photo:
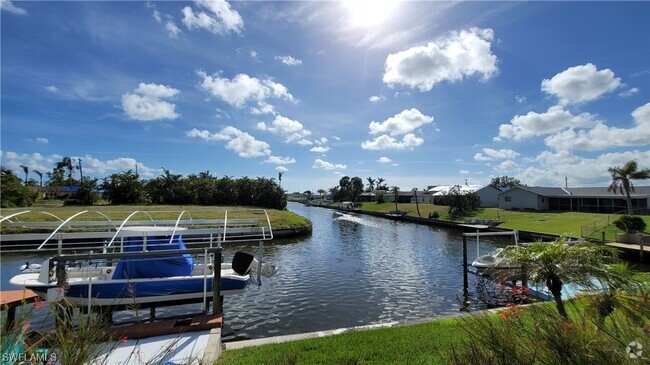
x=630 y=224
x=381 y=198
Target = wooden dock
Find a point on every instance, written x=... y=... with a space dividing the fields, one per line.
x=12 y=299
x=166 y=327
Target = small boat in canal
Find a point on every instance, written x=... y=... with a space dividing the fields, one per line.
x=147 y=262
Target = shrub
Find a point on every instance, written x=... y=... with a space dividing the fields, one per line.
x=381 y=198
x=630 y=224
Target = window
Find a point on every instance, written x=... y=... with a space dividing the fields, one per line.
x=508 y=199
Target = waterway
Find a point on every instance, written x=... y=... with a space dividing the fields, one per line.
x=353 y=270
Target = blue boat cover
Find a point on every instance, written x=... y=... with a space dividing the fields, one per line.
x=154 y=267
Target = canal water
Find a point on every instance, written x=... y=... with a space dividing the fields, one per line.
x=353 y=270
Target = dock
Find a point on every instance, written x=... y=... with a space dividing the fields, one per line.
x=12 y=299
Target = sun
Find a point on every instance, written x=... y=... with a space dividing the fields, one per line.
x=364 y=13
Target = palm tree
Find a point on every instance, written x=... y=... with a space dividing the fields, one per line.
x=371 y=184
x=621 y=180
x=556 y=263
x=26 y=169
x=280 y=178
x=40 y=175
x=417 y=205
x=66 y=163
x=396 y=195
x=379 y=181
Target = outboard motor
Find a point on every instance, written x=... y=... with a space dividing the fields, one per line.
x=244 y=263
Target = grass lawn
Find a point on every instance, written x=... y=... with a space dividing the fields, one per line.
x=418 y=344
x=279 y=218
x=558 y=223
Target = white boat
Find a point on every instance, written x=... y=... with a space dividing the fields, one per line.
x=494 y=259
x=347 y=207
x=153 y=263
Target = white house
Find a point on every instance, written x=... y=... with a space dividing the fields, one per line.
x=596 y=199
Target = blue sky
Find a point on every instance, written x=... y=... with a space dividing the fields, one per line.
x=419 y=93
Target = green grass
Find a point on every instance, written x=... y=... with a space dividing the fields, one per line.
x=557 y=223
x=280 y=219
x=418 y=344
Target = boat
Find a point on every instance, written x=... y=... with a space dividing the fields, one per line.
x=347 y=207
x=396 y=213
x=494 y=259
x=153 y=264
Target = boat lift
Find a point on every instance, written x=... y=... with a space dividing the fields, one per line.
x=515 y=237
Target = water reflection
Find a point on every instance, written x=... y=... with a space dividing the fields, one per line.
x=353 y=270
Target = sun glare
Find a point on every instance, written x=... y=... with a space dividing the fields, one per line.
x=365 y=13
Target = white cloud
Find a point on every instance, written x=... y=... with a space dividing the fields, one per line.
x=601 y=136
x=319 y=149
x=520 y=99
x=263 y=108
x=42 y=140
x=281 y=169
x=385 y=142
x=461 y=54
x=242 y=89
x=395 y=164
x=277 y=160
x=336 y=138
x=292 y=130
x=220 y=18
x=376 y=99
x=91 y=166
x=629 y=92
x=288 y=60
x=324 y=140
x=384 y=159
x=205 y=135
x=305 y=142
x=156 y=15
x=580 y=171
x=581 y=83
x=320 y=164
x=535 y=124
x=240 y=142
x=172 y=29
x=253 y=55
x=9 y=6
x=507 y=165
x=147 y=103
x=405 y=122
x=490 y=154
x=53 y=89
x=463 y=172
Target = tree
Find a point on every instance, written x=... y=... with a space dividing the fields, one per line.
x=380 y=180
x=371 y=183
x=40 y=175
x=26 y=169
x=396 y=196
x=622 y=180
x=556 y=263
x=356 y=188
x=66 y=164
x=505 y=182
x=280 y=177
x=417 y=205
x=13 y=192
x=124 y=188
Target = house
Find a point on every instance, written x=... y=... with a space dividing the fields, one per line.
x=489 y=195
x=593 y=199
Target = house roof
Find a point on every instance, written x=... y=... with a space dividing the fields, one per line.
x=591 y=192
